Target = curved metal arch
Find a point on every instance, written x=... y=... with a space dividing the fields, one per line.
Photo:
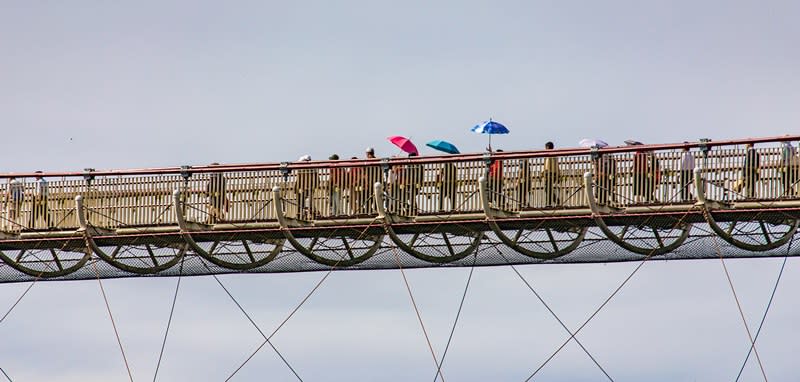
x=725 y=235
x=309 y=252
x=55 y=272
x=491 y=215
x=111 y=259
x=387 y=225
x=48 y=274
x=598 y=219
x=208 y=255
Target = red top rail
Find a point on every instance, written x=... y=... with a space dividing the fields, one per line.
x=420 y=160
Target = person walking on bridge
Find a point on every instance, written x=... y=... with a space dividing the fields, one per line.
x=305 y=187
x=751 y=171
x=447 y=182
x=413 y=177
x=336 y=186
x=788 y=169
x=216 y=192
x=552 y=176
x=495 y=181
x=40 y=210
x=685 y=170
x=355 y=176
x=15 y=195
x=524 y=183
x=370 y=176
x=605 y=168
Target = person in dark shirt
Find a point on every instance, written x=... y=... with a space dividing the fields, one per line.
x=413 y=177
x=788 y=169
x=447 y=182
x=336 y=186
x=370 y=176
x=751 y=171
x=605 y=169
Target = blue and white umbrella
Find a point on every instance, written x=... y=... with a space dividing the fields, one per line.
x=490 y=127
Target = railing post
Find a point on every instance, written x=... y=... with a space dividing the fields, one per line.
x=183 y=194
x=487 y=161
x=88 y=176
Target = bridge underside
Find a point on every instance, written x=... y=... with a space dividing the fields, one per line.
x=684 y=232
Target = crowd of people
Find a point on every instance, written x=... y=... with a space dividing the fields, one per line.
x=647 y=173
x=350 y=189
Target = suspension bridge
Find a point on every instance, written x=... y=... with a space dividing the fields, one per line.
x=692 y=200
x=600 y=205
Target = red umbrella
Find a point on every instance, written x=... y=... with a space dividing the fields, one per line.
x=404 y=144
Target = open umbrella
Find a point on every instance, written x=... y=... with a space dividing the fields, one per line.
x=592 y=143
x=633 y=142
x=490 y=127
x=404 y=144
x=443 y=146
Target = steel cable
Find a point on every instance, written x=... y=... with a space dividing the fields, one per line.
x=303 y=301
x=539 y=297
x=599 y=308
x=113 y=324
x=169 y=320
x=419 y=316
x=458 y=314
x=739 y=306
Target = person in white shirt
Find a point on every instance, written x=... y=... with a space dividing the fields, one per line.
x=686 y=168
x=15 y=195
x=40 y=210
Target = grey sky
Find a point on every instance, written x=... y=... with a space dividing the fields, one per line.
x=96 y=84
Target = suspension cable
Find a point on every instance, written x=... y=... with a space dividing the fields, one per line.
x=17 y=301
x=419 y=316
x=458 y=314
x=37 y=278
x=303 y=301
x=266 y=340
x=769 y=304
x=539 y=297
x=607 y=300
x=169 y=320
x=763 y=318
x=314 y=289
x=6 y=375
x=739 y=306
x=599 y=308
x=113 y=324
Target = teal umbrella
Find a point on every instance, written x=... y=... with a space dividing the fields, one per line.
x=443 y=146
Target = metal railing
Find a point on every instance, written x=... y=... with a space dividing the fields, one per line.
x=441 y=185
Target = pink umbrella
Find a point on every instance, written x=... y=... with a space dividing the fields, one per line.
x=404 y=144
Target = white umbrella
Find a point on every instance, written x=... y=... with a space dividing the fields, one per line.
x=592 y=143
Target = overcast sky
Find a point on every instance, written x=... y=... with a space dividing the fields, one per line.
x=163 y=83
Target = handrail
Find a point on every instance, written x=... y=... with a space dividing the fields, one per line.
x=399 y=161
